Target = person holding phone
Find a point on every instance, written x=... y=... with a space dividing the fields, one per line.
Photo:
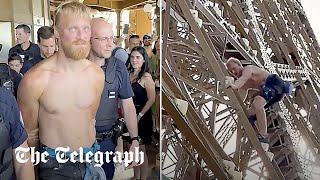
x=119 y=39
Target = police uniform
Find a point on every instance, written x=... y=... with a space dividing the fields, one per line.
x=12 y=133
x=32 y=51
x=117 y=86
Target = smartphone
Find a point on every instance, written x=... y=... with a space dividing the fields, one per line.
x=126 y=29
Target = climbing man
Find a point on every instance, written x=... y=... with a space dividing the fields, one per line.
x=270 y=86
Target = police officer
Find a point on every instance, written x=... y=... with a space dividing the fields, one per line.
x=12 y=136
x=117 y=86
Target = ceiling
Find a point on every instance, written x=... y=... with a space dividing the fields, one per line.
x=107 y=5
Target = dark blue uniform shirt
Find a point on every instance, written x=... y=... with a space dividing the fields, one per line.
x=29 y=64
x=32 y=51
x=11 y=115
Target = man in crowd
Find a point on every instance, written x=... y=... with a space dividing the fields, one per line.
x=133 y=42
x=60 y=96
x=147 y=44
x=26 y=49
x=47 y=44
x=117 y=87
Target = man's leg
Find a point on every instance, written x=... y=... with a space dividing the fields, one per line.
x=251 y=111
x=258 y=106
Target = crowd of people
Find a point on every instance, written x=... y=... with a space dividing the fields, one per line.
x=75 y=88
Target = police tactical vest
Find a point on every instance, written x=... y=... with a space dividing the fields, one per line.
x=6 y=164
x=107 y=111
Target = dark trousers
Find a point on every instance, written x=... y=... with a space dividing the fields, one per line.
x=52 y=170
x=108 y=145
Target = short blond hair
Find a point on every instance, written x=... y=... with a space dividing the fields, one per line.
x=71 y=7
x=233 y=60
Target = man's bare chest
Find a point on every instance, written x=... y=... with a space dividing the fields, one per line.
x=61 y=96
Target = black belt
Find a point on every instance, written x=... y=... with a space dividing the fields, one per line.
x=104 y=135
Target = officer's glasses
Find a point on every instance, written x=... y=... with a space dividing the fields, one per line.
x=103 y=39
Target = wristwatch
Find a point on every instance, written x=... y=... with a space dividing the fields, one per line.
x=136 y=138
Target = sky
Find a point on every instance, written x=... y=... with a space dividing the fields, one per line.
x=312 y=9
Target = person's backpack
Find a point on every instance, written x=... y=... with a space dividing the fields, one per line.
x=5 y=77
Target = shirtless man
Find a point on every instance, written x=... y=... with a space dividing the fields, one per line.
x=61 y=94
x=270 y=86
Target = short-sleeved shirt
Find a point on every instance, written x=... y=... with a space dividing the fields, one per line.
x=125 y=89
x=31 y=52
x=119 y=89
x=11 y=115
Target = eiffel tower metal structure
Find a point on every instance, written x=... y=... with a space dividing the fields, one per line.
x=206 y=133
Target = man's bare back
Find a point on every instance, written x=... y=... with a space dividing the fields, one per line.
x=257 y=79
x=67 y=102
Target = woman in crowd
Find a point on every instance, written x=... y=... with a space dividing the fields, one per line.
x=144 y=96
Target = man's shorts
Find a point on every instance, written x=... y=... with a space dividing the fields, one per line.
x=273 y=87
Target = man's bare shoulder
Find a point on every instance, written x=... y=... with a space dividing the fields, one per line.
x=250 y=67
x=37 y=76
x=94 y=70
x=253 y=68
x=42 y=69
